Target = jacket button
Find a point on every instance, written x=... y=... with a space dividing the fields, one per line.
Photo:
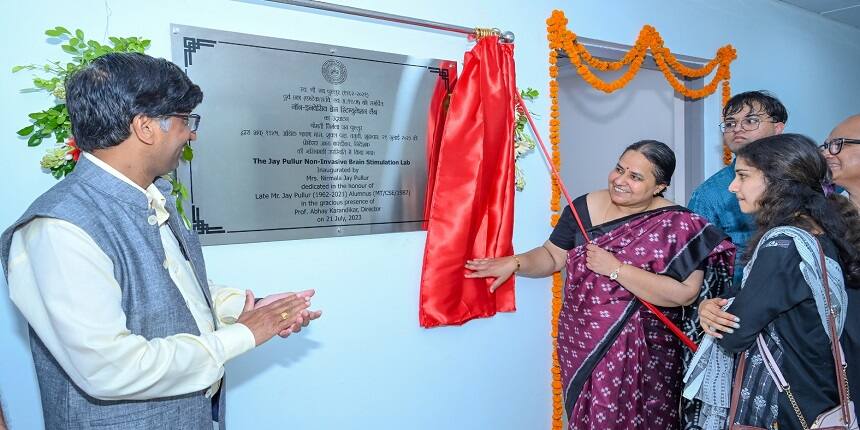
x=152 y=220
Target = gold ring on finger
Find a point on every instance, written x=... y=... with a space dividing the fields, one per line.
x=284 y=316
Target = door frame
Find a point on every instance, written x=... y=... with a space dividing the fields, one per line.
x=689 y=114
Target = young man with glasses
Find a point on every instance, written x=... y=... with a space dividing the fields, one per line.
x=125 y=329
x=747 y=117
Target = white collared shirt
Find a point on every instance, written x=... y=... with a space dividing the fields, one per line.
x=84 y=327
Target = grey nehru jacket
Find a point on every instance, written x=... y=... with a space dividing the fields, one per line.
x=118 y=218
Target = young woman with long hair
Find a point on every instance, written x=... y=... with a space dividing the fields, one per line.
x=784 y=182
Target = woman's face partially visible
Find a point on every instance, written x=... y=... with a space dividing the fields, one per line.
x=748 y=186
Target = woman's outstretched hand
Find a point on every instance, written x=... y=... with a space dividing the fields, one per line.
x=500 y=268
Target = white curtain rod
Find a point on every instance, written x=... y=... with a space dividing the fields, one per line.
x=506 y=36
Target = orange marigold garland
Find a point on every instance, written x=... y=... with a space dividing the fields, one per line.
x=727 y=94
x=559 y=38
x=557 y=286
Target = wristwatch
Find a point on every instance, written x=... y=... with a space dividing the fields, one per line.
x=614 y=274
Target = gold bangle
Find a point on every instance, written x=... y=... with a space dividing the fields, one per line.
x=518 y=263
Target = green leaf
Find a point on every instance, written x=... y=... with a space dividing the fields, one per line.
x=69 y=49
x=27 y=67
x=529 y=94
x=73 y=41
x=34 y=140
x=180 y=189
x=37 y=115
x=62 y=30
x=79 y=34
x=53 y=33
x=26 y=131
x=41 y=83
x=187 y=153
x=180 y=192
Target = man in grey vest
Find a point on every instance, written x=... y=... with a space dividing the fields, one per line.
x=125 y=329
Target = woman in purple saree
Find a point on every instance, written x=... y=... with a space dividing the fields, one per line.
x=621 y=367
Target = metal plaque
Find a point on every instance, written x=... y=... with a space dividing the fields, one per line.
x=301 y=140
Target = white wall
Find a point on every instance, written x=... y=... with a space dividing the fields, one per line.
x=366 y=363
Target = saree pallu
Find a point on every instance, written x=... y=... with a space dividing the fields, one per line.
x=621 y=367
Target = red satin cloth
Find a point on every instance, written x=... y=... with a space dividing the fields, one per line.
x=436 y=115
x=471 y=191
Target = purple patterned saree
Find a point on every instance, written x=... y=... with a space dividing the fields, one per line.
x=621 y=368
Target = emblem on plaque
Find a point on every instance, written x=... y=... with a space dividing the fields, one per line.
x=334 y=72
